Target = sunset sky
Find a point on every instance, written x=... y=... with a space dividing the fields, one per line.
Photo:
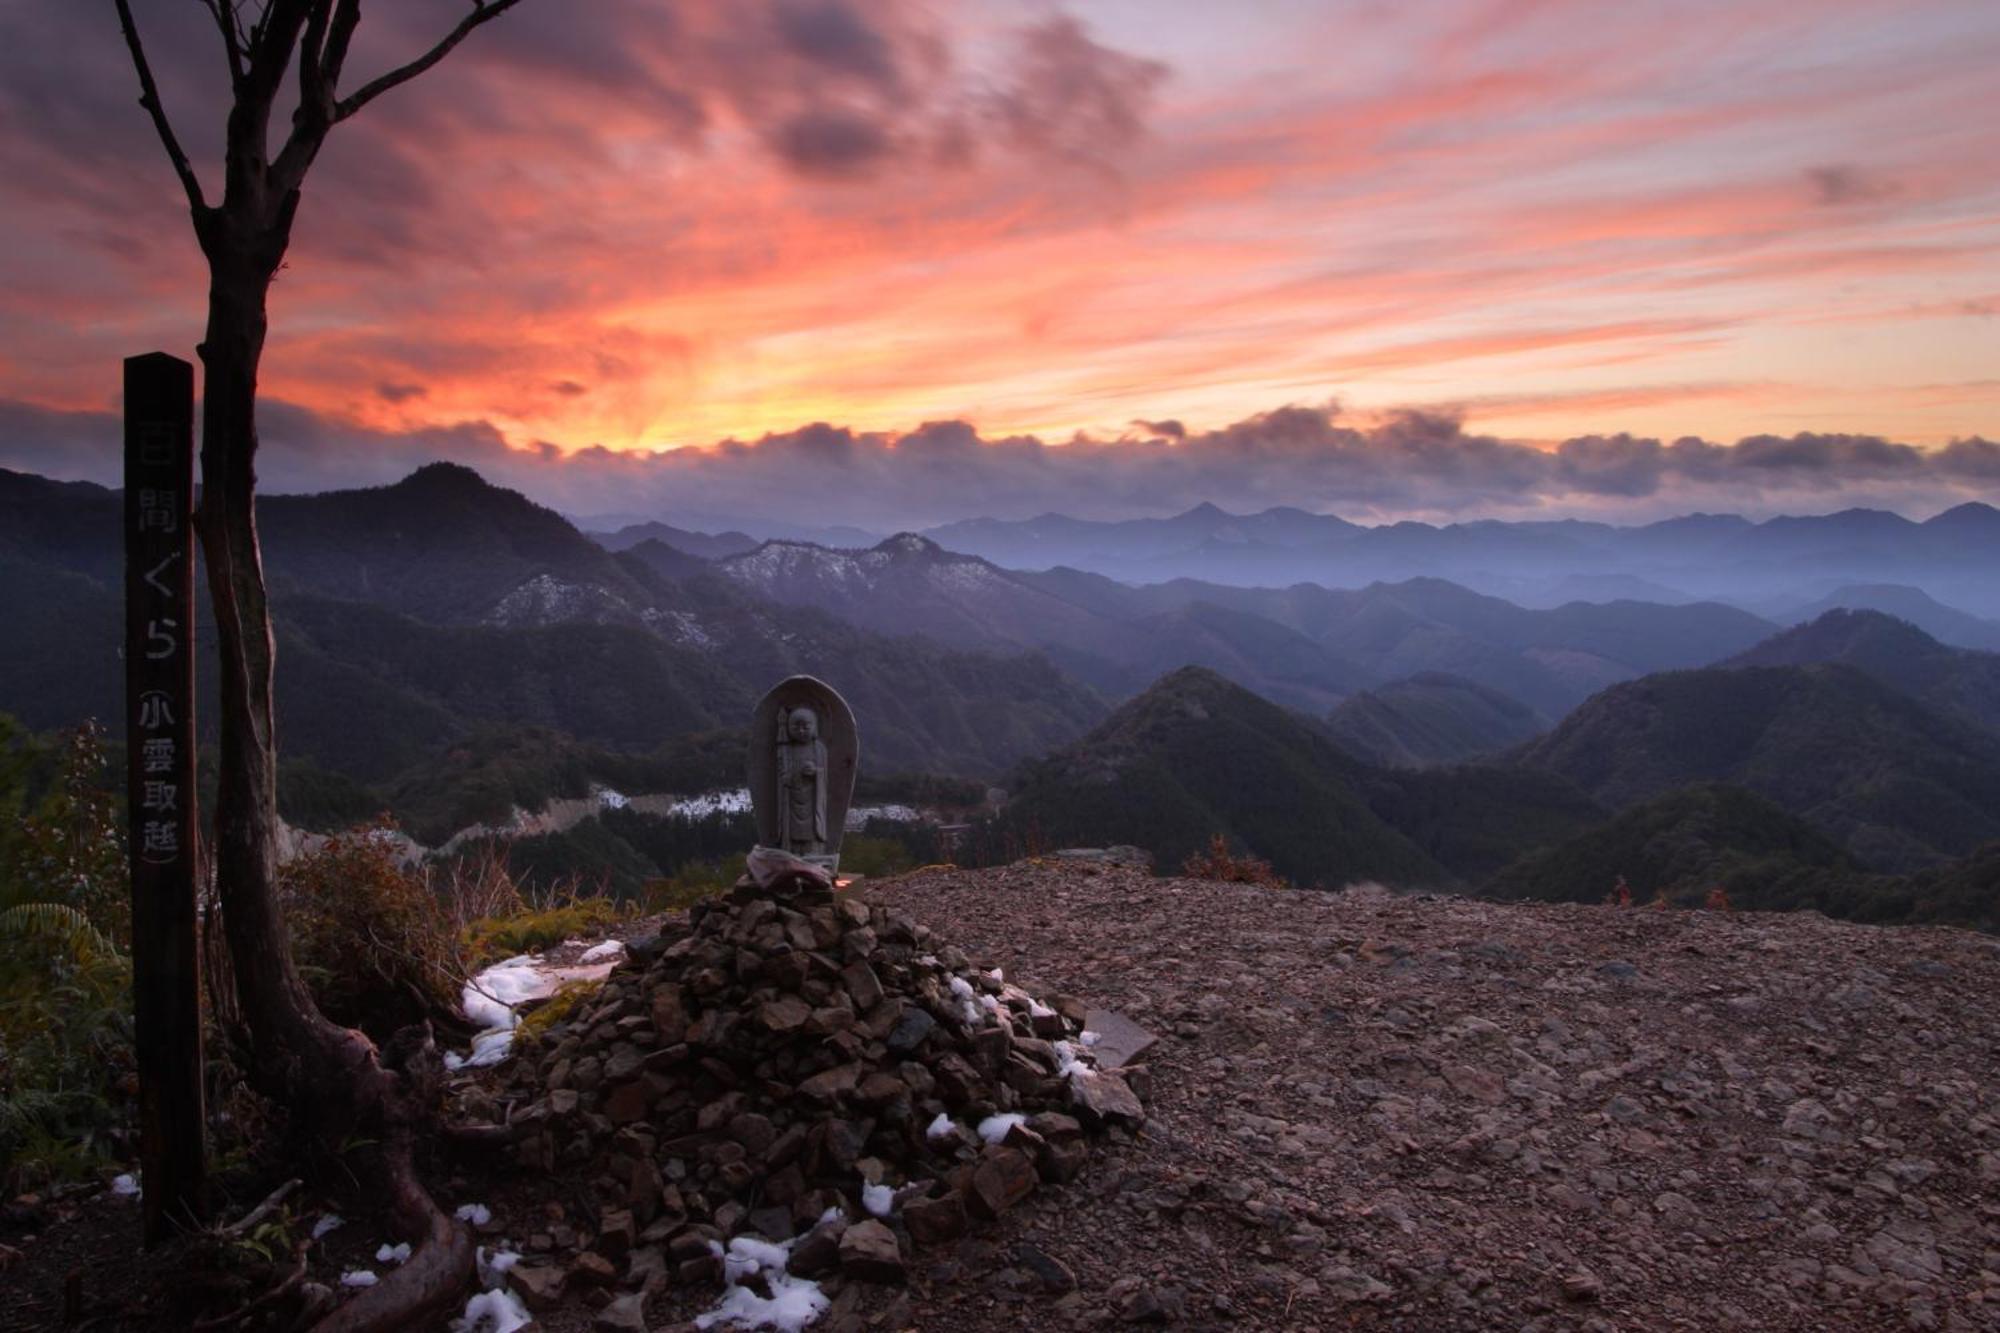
x=1478 y=227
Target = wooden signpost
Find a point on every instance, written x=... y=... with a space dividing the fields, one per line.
x=160 y=784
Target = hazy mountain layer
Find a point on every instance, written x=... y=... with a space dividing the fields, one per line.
x=1431 y=718
x=1957 y=682
x=1196 y=756
x=1896 y=783
x=1699 y=555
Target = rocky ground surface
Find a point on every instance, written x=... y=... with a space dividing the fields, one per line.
x=1436 y=1113
x=1428 y=1113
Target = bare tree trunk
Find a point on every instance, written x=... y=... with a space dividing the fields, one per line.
x=336 y=1084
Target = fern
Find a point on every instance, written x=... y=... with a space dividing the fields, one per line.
x=57 y=923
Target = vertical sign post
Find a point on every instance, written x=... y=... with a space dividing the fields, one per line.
x=160 y=790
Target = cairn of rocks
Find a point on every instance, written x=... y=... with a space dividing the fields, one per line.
x=809 y=1069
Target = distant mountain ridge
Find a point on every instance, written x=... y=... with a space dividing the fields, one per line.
x=1699 y=555
x=1431 y=718
x=1196 y=756
x=1957 y=682
x=1896 y=783
x=411 y=614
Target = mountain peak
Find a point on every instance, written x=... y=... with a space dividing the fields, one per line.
x=442 y=475
x=1972 y=515
x=909 y=544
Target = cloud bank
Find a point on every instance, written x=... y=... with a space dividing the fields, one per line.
x=1411 y=465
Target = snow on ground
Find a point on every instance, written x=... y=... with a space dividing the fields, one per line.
x=735 y=802
x=126 y=1187
x=478 y=1214
x=879 y=1200
x=602 y=950
x=494 y=1265
x=393 y=1254
x=858 y=816
x=327 y=1222
x=793 y=1303
x=944 y=1127
x=491 y=998
x=493 y=1312
x=358 y=1277
x=994 y=1127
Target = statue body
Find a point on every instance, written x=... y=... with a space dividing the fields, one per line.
x=803 y=752
x=801 y=783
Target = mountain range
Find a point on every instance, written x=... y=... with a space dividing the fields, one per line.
x=1896 y=783
x=457 y=646
x=1536 y=563
x=1305 y=646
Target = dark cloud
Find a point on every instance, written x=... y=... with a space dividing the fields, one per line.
x=569 y=388
x=839 y=39
x=1414 y=464
x=1834 y=186
x=1074 y=98
x=1170 y=428
x=831 y=142
x=400 y=393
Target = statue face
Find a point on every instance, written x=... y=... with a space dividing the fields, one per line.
x=803 y=725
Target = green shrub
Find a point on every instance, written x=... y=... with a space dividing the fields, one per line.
x=66 y=1080
x=371 y=938
x=874 y=857
x=529 y=930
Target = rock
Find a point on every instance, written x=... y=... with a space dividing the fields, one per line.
x=787 y=1013
x=615 y=1233
x=1154 y=1305
x=1053 y=1274
x=862 y=985
x=1003 y=1178
x=625 y=1314
x=539 y=1286
x=819 y=1251
x=831 y=1085
x=910 y=1030
x=1105 y=1096
x=593 y=1269
x=869 y=1251
x=935 y=1220
x=1582 y=1285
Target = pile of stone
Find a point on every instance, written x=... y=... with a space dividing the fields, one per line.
x=808 y=1069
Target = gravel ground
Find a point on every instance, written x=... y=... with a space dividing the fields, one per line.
x=1431 y=1113
x=1437 y=1113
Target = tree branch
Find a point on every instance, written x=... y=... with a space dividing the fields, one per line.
x=346 y=18
x=232 y=45
x=315 y=94
x=482 y=11
x=149 y=97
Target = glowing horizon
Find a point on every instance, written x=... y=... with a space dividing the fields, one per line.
x=631 y=233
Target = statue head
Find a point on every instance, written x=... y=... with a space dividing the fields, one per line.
x=802 y=726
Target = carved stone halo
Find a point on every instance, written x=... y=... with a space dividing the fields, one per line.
x=836 y=732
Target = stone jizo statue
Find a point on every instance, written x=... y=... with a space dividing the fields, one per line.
x=801 y=783
x=803 y=752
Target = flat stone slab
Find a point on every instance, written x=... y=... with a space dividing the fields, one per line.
x=1119 y=1040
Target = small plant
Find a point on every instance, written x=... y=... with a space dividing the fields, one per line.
x=1620 y=895
x=1218 y=862
x=692 y=883
x=1659 y=902
x=66 y=1082
x=534 y=929
x=1718 y=900
x=371 y=938
x=557 y=1009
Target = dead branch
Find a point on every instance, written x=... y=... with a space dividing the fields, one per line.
x=262 y=1210
x=149 y=97
x=483 y=11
